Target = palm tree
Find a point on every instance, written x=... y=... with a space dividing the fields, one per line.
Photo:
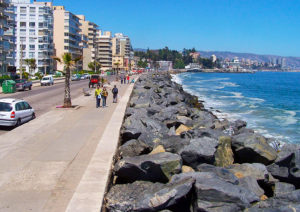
x=68 y=62
x=31 y=63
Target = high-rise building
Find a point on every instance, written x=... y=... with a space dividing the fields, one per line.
x=4 y=43
x=34 y=34
x=283 y=63
x=66 y=35
x=121 y=47
x=213 y=58
x=11 y=37
x=104 y=42
x=89 y=30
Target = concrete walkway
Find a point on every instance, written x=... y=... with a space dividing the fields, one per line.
x=61 y=161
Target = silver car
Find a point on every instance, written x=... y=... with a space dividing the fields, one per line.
x=14 y=112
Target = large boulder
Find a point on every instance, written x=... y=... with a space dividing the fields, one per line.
x=200 y=150
x=155 y=168
x=213 y=191
x=285 y=202
x=251 y=184
x=146 y=196
x=134 y=148
x=252 y=148
x=283 y=188
x=224 y=154
x=256 y=170
x=287 y=168
x=220 y=172
x=173 y=144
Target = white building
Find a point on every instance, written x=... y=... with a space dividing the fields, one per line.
x=104 y=42
x=34 y=34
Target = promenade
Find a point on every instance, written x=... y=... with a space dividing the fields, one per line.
x=61 y=161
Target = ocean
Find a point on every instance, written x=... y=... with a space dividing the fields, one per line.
x=268 y=101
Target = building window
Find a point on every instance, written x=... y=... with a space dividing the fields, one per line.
x=41 y=25
x=31 y=54
x=22 y=16
x=23 y=39
x=31 y=47
x=32 y=16
x=66 y=47
x=22 y=31
x=31 y=40
x=23 y=10
x=32 y=9
x=32 y=32
x=22 y=24
x=32 y=24
x=41 y=47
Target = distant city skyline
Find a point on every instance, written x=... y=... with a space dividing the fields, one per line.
x=249 y=26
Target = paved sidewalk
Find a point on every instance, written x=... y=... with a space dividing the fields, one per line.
x=42 y=162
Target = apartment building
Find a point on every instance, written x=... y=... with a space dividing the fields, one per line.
x=11 y=37
x=89 y=30
x=4 y=43
x=104 y=50
x=66 y=35
x=34 y=34
x=121 y=47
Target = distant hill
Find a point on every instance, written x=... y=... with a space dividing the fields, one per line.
x=293 y=62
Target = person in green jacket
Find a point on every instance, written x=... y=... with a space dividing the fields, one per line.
x=98 y=93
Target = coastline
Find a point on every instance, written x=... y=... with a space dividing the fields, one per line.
x=231 y=90
x=170 y=143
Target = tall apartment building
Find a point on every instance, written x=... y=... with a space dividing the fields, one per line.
x=121 y=51
x=104 y=53
x=89 y=30
x=4 y=44
x=11 y=37
x=66 y=35
x=34 y=34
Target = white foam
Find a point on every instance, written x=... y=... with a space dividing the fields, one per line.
x=229 y=84
x=176 y=79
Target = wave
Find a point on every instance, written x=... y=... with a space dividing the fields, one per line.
x=229 y=84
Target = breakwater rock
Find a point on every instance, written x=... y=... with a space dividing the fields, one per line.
x=175 y=155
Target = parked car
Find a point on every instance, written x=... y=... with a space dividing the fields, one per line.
x=14 y=112
x=22 y=84
x=87 y=76
x=47 y=80
x=94 y=80
x=75 y=77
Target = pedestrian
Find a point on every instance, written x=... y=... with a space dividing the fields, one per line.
x=115 y=94
x=104 y=97
x=98 y=92
x=127 y=78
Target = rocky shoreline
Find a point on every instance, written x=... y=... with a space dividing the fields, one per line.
x=175 y=155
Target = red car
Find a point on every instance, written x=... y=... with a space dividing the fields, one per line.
x=94 y=80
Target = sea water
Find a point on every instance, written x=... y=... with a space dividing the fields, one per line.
x=268 y=101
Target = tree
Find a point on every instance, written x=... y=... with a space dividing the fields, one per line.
x=91 y=66
x=142 y=64
x=179 y=64
x=31 y=63
x=67 y=60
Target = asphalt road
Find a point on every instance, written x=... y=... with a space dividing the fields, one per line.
x=45 y=98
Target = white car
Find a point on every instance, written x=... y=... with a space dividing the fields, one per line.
x=14 y=112
x=47 y=80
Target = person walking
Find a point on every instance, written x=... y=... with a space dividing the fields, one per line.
x=98 y=92
x=128 y=78
x=115 y=94
x=104 y=97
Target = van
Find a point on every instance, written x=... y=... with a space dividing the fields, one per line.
x=47 y=80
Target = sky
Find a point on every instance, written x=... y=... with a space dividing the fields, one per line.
x=248 y=26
